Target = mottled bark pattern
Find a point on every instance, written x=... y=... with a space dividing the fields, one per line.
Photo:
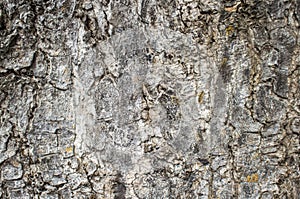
x=149 y=99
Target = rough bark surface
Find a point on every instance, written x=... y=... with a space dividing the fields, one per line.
x=149 y=99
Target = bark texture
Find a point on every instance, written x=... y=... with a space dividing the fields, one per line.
x=149 y=99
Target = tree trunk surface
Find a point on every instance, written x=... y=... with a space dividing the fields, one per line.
x=149 y=99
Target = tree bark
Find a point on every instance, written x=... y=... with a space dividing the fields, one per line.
x=149 y=99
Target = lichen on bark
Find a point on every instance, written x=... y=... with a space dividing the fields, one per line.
x=149 y=99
